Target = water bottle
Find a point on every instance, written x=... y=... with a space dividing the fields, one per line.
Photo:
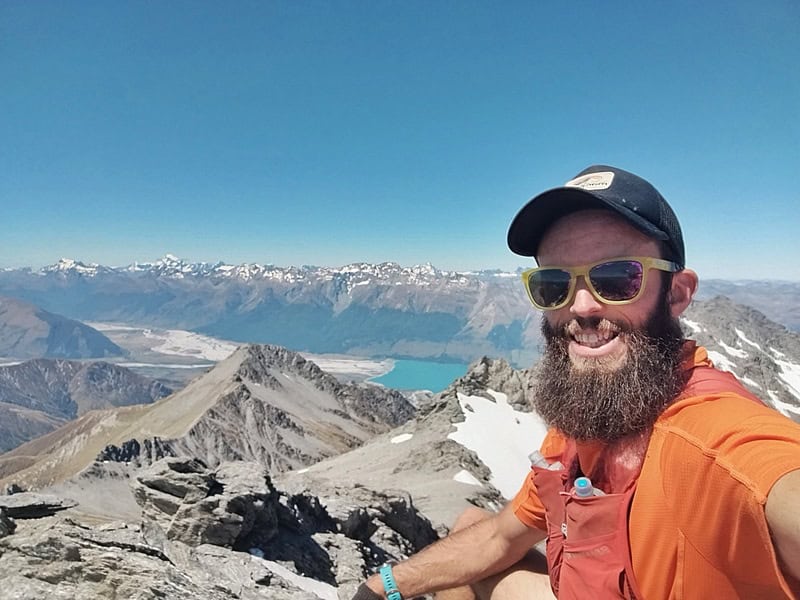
x=584 y=488
x=538 y=460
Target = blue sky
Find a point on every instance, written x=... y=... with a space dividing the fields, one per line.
x=334 y=132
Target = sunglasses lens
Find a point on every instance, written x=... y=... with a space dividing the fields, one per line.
x=549 y=287
x=617 y=280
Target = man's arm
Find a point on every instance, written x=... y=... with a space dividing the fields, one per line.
x=783 y=517
x=467 y=556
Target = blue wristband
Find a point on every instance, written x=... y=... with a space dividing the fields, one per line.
x=389 y=584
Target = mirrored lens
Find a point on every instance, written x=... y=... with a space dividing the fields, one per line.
x=549 y=287
x=617 y=280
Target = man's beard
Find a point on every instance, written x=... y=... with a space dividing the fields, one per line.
x=597 y=402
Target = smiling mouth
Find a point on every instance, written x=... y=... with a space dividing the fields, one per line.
x=594 y=339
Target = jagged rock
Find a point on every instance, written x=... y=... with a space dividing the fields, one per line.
x=146 y=452
x=226 y=507
x=13 y=488
x=335 y=538
x=7 y=524
x=29 y=505
x=59 y=558
x=495 y=374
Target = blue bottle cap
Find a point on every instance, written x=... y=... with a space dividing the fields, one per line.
x=583 y=487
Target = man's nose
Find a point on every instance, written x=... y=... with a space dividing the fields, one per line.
x=584 y=304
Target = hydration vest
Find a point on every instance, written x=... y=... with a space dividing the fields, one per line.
x=588 y=550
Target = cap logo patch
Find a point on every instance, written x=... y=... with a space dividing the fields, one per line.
x=592 y=181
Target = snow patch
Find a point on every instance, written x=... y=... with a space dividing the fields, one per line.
x=749 y=381
x=783 y=407
x=501 y=437
x=721 y=361
x=464 y=476
x=737 y=352
x=403 y=437
x=778 y=353
x=743 y=337
x=694 y=326
x=790 y=374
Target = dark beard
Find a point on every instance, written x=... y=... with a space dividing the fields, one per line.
x=607 y=405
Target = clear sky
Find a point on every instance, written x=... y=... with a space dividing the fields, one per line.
x=333 y=132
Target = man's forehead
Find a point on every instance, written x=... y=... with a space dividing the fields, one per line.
x=600 y=233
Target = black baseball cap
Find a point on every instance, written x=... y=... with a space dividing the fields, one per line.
x=599 y=186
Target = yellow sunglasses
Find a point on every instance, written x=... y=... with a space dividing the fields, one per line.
x=611 y=281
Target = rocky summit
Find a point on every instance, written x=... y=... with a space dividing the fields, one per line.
x=216 y=534
x=182 y=527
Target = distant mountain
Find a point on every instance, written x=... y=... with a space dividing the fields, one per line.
x=27 y=331
x=264 y=403
x=364 y=309
x=40 y=395
x=778 y=300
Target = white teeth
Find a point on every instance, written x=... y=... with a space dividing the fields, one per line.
x=592 y=339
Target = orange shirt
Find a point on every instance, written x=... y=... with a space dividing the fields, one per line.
x=697 y=527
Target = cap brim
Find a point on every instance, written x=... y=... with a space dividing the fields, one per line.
x=529 y=225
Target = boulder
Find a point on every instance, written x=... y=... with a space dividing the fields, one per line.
x=30 y=505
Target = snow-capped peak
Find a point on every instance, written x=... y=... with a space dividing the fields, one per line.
x=71 y=266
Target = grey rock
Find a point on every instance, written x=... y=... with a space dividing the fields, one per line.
x=30 y=505
x=59 y=558
x=13 y=488
x=498 y=375
x=7 y=524
x=197 y=506
x=335 y=538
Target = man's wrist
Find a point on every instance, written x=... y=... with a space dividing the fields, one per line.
x=390 y=589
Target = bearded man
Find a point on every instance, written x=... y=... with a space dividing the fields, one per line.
x=660 y=476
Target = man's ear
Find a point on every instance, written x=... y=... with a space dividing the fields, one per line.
x=681 y=292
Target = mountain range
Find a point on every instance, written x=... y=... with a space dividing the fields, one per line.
x=363 y=309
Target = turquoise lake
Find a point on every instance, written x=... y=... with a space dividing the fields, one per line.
x=421 y=375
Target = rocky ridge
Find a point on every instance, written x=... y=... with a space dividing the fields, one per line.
x=764 y=355
x=264 y=404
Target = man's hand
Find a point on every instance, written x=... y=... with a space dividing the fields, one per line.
x=364 y=592
x=464 y=557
